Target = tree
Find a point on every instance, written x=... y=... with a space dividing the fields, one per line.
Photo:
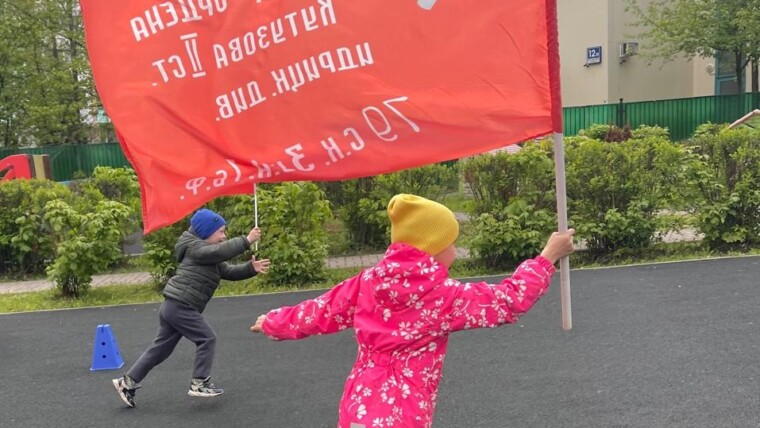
x=47 y=94
x=701 y=28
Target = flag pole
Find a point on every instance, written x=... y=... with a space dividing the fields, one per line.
x=255 y=214
x=559 y=153
x=564 y=262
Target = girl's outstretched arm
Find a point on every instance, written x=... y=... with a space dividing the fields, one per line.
x=329 y=313
x=485 y=305
x=478 y=305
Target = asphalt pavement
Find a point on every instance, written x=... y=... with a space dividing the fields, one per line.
x=665 y=345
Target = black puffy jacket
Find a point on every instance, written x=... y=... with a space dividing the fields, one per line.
x=202 y=266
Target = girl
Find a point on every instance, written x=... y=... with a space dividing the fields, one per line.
x=403 y=310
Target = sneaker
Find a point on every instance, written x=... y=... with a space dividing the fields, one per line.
x=203 y=388
x=126 y=387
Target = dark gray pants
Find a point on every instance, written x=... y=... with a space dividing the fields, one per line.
x=175 y=321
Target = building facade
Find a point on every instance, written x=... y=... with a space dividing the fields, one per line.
x=600 y=65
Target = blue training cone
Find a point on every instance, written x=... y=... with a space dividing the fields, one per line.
x=105 y=350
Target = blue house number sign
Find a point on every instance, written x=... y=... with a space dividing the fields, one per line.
x=594 y=55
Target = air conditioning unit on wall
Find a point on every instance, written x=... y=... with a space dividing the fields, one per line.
x=628 y=49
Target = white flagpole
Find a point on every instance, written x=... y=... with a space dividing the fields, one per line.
x=255 y=214
x=564 y=263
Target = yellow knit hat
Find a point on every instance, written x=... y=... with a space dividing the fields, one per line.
x=422 y=223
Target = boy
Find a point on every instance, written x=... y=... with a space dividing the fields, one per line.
x=202 y=252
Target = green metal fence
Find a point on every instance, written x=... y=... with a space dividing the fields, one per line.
x=67 y=161
x=680 y=116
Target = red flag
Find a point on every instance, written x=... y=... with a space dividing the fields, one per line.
x=208 y=96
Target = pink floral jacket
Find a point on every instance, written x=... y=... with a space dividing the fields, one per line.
x=403 y=310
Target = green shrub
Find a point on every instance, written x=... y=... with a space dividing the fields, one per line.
x=709 y=129
x=84 y=243
x=615 y=190
x=495 y=179
x=117 y=184
x=645 y=131
x=596 y=131
x=25 y=246
x=359 y=212
x=292 y=219
x=430 y=181
x=728 y=210
x=505 y=238
x=361 y=203
x=633 y=229
x=514 y=204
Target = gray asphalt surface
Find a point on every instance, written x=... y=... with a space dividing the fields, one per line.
x=672 y=345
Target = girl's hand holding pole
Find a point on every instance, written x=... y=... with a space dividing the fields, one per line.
x=559 y=246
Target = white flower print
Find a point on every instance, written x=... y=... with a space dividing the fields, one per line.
x=398 y=412
x=361 y=411
x=408 y=372
x=483 y=321
x=409 y=334
x=380 y=272
x=405 y=391
x=378 y=423
x=429 y=315
x=386 y=314
x=413 y=298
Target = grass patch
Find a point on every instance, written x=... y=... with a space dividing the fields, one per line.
x=149 y=293
x=100 y=296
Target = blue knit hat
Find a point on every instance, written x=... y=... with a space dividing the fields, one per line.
x=205 y=222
